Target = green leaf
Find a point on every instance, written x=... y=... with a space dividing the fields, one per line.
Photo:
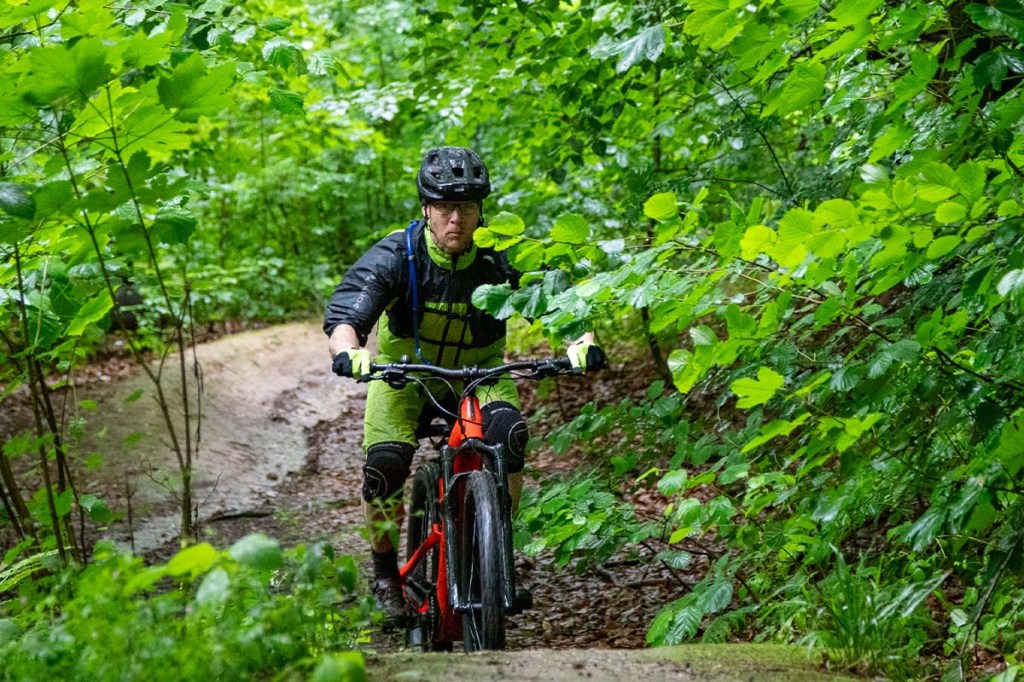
x=16 y=201
x=758 y=391
x=715 y=23
x=717 y=597
x=501 y=233
x=923 y=67
x=849 y=41
x=756 y=240
x=571 y=228
x=950 y=212
x=805 y=84
x=795 y=229
x=888 y=143
x=795 y=11
x=142 y=51
x=1010 y=208
x=173 y=225
x=992 y=67
x=999 y=17
x=215 y=589
x=1011 y=445
x=684 y=625
x=661 y=207
x=495 y=299
x=685 y=371
x=58 y=72
x=192 y=91
x=257 y=551
x=283 y=53
x=647 y=44
x=287 y=102
x=90 y=313
x=507 y=224
x=276 y=24
x=96 y=508
x=943 y=245
x=193 y=561
x=774 y=429
x=734 y=473
x=1011 y=284
x=673 y=482
x=528 y=256
x=850 y=12
x=727 y=238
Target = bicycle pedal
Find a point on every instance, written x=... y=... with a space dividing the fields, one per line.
x=523 y=600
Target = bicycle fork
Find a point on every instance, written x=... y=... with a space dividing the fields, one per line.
x=450 y=512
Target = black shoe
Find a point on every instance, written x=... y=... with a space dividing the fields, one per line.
x=390 y=600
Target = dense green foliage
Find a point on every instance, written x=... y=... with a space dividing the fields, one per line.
x=251 y=611
x=809 y=213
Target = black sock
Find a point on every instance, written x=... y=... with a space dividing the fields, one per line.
x=385 y=564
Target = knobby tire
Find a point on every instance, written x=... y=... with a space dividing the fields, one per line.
x=424 y=512
x=483 y=625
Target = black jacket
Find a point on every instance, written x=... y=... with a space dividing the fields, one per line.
x=379 y=282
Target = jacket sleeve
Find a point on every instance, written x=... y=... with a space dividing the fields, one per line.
x=368 y=287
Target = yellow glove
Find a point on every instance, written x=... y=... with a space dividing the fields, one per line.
x=352 y=363
x=587 y=357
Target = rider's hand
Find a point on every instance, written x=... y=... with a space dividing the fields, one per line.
x=352 y=363
x=587 y=357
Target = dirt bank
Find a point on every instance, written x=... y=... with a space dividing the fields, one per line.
x=262 y=390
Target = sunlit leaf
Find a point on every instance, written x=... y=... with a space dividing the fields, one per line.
x=753 y=392
x=571 y=228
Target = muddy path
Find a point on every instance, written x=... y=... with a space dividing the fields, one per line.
x=280 y=454
x=262 y=391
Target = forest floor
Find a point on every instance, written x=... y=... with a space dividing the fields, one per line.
x=280 y=454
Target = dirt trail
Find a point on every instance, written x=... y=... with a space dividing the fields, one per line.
x=262 y=390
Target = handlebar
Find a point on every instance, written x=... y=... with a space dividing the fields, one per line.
x=398 y=372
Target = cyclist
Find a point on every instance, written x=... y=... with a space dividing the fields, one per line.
x=419 y=282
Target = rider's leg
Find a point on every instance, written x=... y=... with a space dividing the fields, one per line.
x=387 y=466
x=389 y=440
x=503 y=423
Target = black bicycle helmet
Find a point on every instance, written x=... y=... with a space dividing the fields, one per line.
x=453 y=174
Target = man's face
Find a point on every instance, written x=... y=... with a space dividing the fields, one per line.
x=452 y=224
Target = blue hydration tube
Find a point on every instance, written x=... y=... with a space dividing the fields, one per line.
x=414 y=284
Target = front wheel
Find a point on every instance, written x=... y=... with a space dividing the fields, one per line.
x=483 y=624
x=424 y=512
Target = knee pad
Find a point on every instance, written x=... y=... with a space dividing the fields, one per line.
x=387 y=466
x=504 y=424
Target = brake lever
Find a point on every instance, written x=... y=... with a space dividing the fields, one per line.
x=547 y=369
x=394 y=379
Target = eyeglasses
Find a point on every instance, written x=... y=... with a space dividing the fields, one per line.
x=467 y=209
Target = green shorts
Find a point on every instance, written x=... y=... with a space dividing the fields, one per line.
x=392 y=415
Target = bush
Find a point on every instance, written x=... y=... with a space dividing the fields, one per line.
x=251 y=611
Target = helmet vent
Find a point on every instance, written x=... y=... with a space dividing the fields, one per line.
x=458 y=172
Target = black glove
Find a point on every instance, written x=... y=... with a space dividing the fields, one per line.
x=596 y=359
x=352 y=363
x=587 y=357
